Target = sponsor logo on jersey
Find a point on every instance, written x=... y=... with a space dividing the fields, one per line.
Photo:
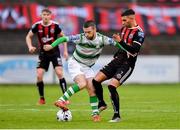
x=40 y=31
x=46 y=39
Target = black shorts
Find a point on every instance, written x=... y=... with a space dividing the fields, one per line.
x=118 y=69
x=44 y=61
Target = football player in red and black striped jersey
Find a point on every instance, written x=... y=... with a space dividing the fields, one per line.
x=130 y=40
x=47 y=32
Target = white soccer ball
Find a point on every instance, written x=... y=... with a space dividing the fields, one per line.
x=64 y=115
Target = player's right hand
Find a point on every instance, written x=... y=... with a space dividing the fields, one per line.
x=117 y=37
x=32 y=49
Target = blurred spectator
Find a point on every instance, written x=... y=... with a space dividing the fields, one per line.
x=11 y=18
x=168 y=0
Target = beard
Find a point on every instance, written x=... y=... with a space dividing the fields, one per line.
x=90 y=38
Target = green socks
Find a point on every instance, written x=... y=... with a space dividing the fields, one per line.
x=70 y=91
x=94 y=105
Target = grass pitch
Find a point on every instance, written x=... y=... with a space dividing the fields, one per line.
x=142 y=106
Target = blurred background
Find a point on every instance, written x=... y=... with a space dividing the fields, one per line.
x=159 y=60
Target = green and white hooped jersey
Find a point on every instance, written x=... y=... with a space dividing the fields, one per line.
x=88 y=51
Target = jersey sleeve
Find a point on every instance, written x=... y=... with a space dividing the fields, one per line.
x=58 y=29
x=134 y=48
x=75 y=38
x=108 y=41
x=139 y=38
x=34 y=28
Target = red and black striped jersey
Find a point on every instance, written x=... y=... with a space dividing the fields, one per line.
x=132 y=40
x=46 y=34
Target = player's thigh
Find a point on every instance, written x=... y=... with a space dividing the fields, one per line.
x=88 y=74
x=100 y=77
x=110 y=69
x=88 y=71
x=56 y=60
x=114 y=82
x=123 y=73
x=74 y=68
x=43 y=62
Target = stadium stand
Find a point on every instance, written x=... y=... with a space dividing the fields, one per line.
x=163 y=44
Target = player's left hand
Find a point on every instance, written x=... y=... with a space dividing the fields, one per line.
x=47 y=47
x=117 y=37
x=66 y=55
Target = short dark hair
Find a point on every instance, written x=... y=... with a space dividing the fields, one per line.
x=89 y=23
x=128 y=12
x=46 y=10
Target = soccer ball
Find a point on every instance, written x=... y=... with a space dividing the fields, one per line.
x=64 y=115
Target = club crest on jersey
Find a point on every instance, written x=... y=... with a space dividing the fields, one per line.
x=130 y=36
x=52 y=30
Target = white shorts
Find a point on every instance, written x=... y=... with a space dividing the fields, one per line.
x=75 y=68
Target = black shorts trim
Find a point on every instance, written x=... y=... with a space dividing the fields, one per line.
x=44 y=61
x=118 y=69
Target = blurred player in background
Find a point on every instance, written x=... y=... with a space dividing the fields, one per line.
x=131 y=38
x=89 y=46
x=47 y=32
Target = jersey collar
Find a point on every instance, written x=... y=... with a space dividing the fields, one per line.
x=47 y=24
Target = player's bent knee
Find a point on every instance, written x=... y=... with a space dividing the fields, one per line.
x=114 y=82
x=96 y=81
x=100 y=77
x=59 y=75
x=39 y=76
x=82 y=84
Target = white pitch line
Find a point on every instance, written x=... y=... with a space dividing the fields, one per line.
x=89 y=110
x=21 y=105
x=79 y=104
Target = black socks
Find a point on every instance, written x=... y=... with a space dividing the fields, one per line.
x=40 y=86
x=62 y=83
x=98 y=91
x=115 y=99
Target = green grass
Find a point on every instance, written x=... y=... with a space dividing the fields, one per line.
x=142 y=106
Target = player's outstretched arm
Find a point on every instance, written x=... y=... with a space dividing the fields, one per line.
x=55 y=43
x=65 y=51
